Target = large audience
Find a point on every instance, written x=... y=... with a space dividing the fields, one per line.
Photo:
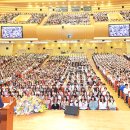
x=9 y=18
x=4 y=59
x=36 y=18
x=61 y=81
x=116 y=69
x=72 y=18
x=125 y=14
x=100 y=16
x=16 y=66
x=103 y=16
x=69 y=18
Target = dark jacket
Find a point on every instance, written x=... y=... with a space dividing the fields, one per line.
x=1 y=103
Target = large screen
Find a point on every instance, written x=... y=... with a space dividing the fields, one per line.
x=87 y=8
x=12 y=32
x=75 y=8
x=119 y=30
x=62 y=9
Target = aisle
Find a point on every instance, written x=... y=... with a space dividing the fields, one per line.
x=120 y=102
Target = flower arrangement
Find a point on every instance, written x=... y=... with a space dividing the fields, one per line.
x=28 y=105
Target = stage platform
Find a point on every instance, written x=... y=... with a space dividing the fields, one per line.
x=87 y=120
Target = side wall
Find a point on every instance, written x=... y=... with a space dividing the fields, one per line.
x=128 y=48
x=56 y=48
x=6 y=49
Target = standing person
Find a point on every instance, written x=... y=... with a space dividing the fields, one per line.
x=1 y=102
x=126 y=91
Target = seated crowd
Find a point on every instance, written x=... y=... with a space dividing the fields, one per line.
x=117 y=70
x=125 y=14
x=103 y=16
x=61 y=81
x=35 y=18
x=8 y=17
x=77 y=18
x=68 y=18
x=100 y=16
x=18 y=65
x=4 y=59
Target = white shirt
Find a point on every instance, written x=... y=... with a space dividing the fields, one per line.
x=83 y=105
x=112 y=105
x=104 y=92
x=129 y=94
x=102 y=105
x=126 y=90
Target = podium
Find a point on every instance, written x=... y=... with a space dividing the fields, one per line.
x=6 y=113
x=129 y=101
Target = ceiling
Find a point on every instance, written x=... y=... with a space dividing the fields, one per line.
x=40 y=3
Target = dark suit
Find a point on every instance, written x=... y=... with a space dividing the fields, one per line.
x=1 y=103
x=55 y=106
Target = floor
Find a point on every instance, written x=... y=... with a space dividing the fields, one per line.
x=87 y=120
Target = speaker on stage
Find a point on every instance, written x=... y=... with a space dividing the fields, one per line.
x=71 y=110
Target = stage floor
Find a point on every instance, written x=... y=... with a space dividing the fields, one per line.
x=87 y=120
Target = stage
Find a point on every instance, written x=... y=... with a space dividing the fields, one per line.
x=87 y=120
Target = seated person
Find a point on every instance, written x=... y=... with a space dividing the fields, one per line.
x=93 y=104
x=83 y=104
x=102 y=103
x=64 y=103
x=111 y=104
x=55 y=105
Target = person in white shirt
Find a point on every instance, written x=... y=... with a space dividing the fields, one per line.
x=105 y=91
x=111 y=103
x=83 y=104
x=126 y=91
x=72 y=101
x=64 y=103
x=102 y=103
x=76 y=103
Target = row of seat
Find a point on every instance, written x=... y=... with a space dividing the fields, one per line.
x=115 y=70
x=72 y=18
x=60 y=81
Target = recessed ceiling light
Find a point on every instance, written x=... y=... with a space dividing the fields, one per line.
x=29 y=5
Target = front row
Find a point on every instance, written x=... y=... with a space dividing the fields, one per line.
x=83 y=104
x=34 y=104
